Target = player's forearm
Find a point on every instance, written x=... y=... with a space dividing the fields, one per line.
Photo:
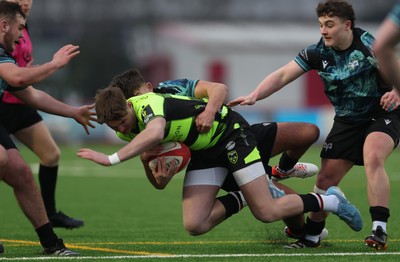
x=216 y=98
x=25 y=76
x=389 y=66
x=271 y=84
x=44 y=102
x=143 y=141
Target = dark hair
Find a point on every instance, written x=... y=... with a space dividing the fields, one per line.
x=339 y=8
x=129 y=81
x=9 y=10
x=110 y=104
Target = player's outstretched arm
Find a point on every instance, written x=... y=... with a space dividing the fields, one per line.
x=151 y=136
x=24 y=76
x=44 y=102
x=271 y=84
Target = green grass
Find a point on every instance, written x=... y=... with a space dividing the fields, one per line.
x=126 y=218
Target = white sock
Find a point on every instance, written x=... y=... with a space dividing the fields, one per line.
x=312 y=238
x=375 y=224
x=330 y=203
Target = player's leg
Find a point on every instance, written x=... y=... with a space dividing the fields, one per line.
x=269 y=142
x=202 y=211
x=36 y=136
x=379 y=144
x=3 y=160
x=243 y=160
x=341 y=150
x=266 y=209
x=3 y=163
x=331 y=173
x=292 y=146
x=18 y=175
x=276 y=138
x=294 y=138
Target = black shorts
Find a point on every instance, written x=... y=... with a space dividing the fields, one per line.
x=231 y=152
x=15 y=117
x=346 y=140
x=265 y=134
x=5 y=139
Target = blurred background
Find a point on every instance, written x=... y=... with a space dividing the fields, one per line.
x=235 y=42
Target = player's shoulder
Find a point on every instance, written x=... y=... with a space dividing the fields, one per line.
x=5 y=56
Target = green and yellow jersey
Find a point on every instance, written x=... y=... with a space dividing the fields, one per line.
x=180 y=113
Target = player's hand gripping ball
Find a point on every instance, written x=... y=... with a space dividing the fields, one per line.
x=174 y=152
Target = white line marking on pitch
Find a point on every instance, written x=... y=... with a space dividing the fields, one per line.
x=201 y=256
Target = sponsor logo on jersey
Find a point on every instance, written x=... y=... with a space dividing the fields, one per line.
x=230 y=145
x=353 y=64
x=304 y=54
x=147 y=114
x=177 y=134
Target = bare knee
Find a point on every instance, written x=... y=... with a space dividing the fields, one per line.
x=19 y=176
x=266 y=215
x=313 y=133
x=194 y=228
x=372 y=162
x=50 y=157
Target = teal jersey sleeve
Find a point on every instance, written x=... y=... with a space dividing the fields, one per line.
x=182 y=87
x=4 y=58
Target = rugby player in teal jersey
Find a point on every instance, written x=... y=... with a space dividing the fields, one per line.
x=150 y=119
x=366 y=126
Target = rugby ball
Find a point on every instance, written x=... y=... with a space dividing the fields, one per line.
x=174 y=152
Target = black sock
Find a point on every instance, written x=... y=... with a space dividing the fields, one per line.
x=232 y=203
x=286 y=162
x=48 y=180
x=46 y=235
x=379 y=213
x=314 y=228
x=311 y=202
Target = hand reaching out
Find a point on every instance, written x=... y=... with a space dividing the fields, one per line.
x=97 y=157
x=84 y=115
x=64 y=55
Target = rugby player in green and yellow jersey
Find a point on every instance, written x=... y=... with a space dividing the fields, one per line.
x=150 y=119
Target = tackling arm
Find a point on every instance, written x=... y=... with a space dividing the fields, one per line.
x=216 y=94
x=44 y=102
x=271 y=84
